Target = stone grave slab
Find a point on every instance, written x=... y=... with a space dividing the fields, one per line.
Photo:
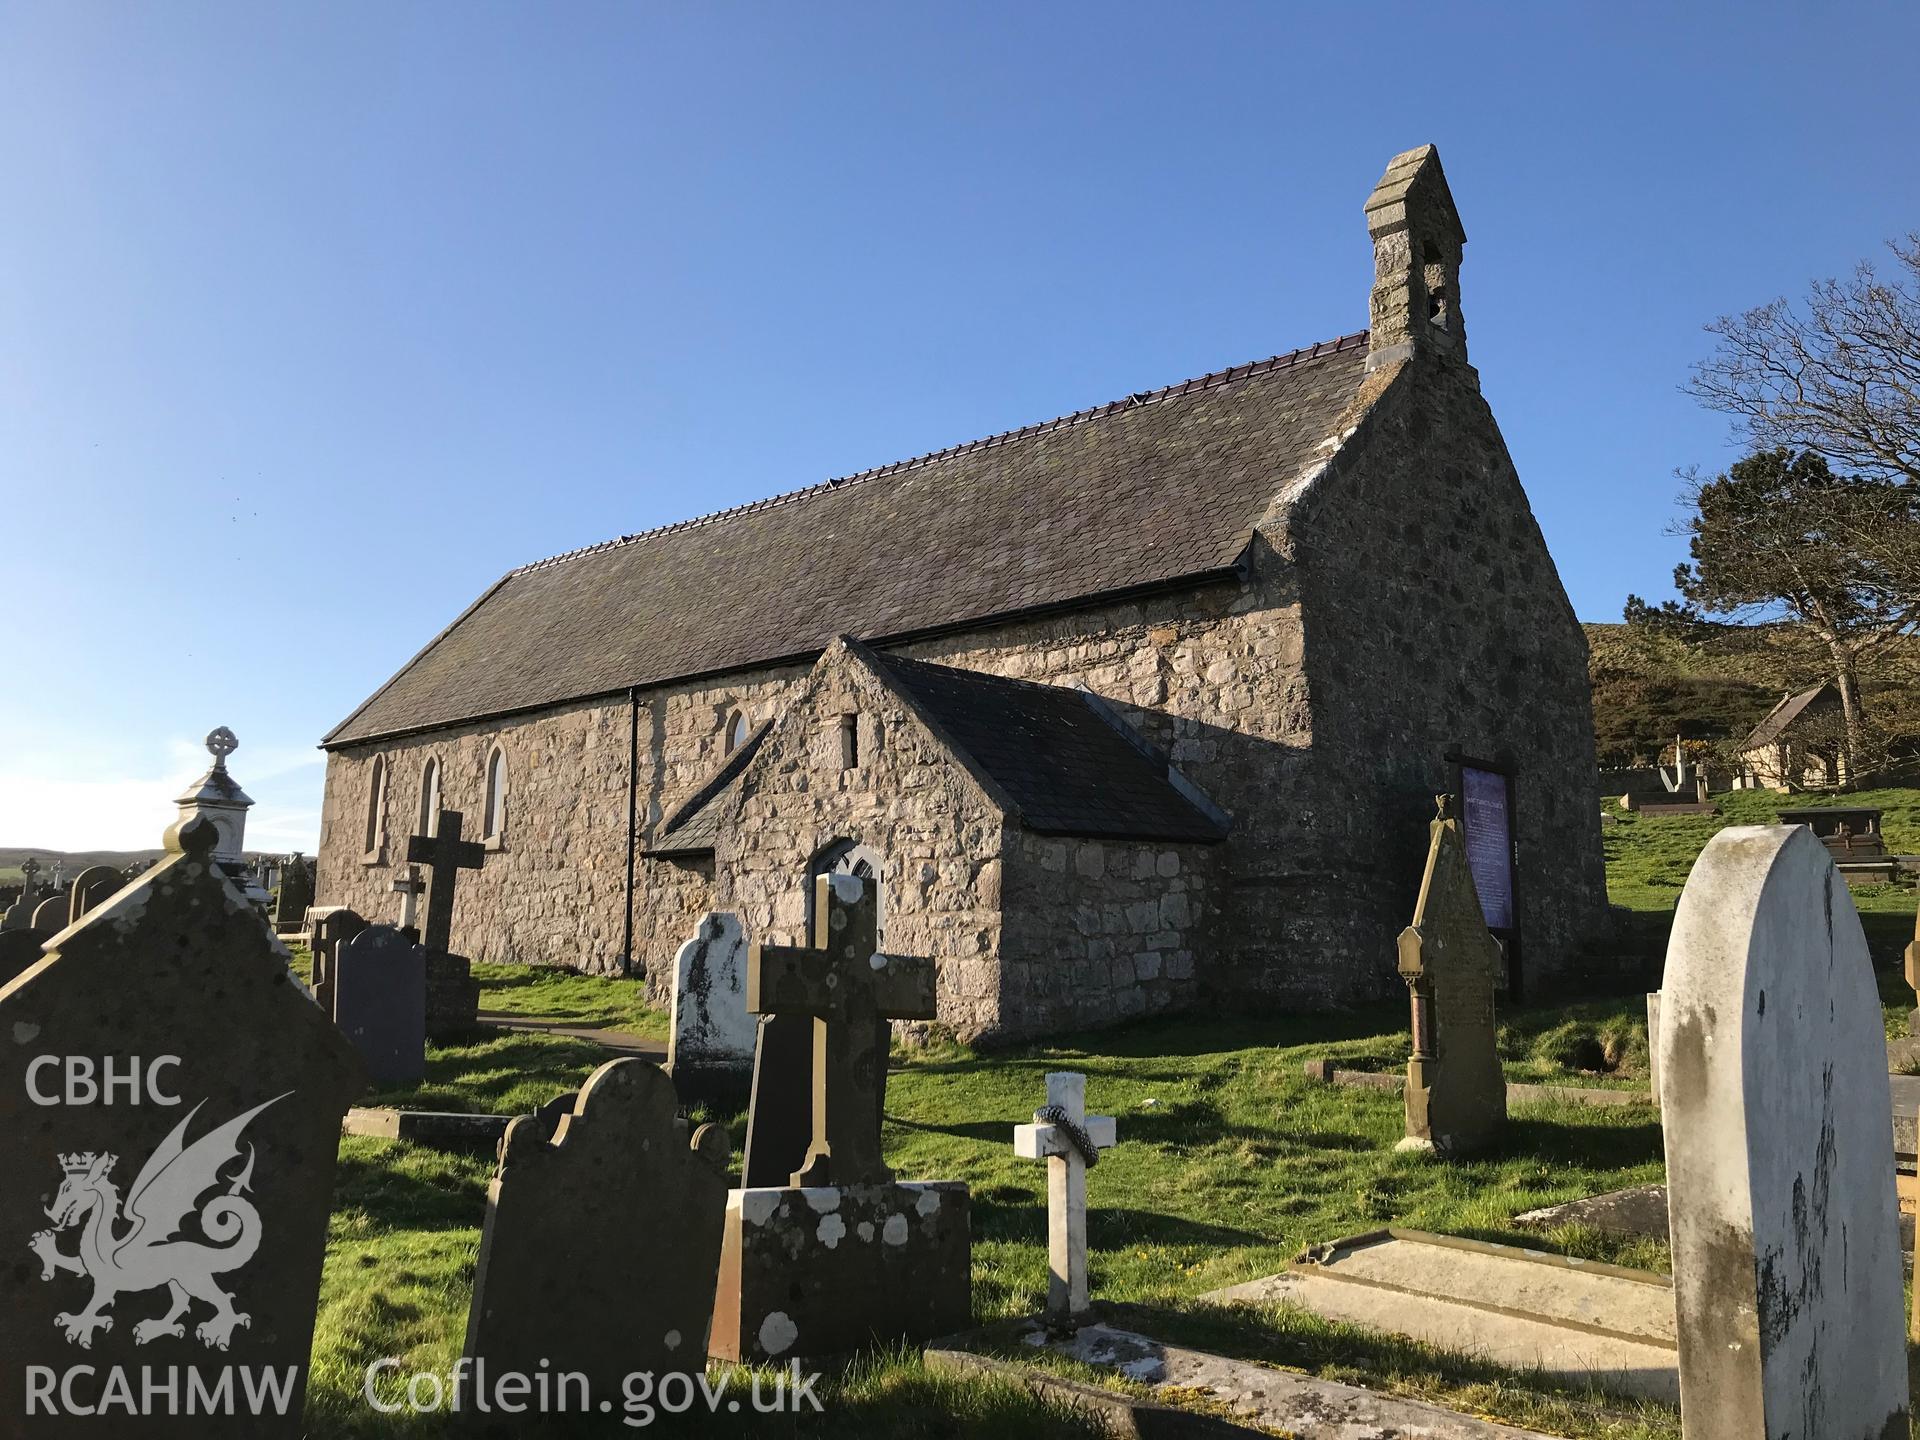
x=1780 y=1183
x=442 y=1129
x=1456 y=1096
x=602 y=1237
x=1641 y=1210
x=1578 y=1321
x=380 y=1003
x=711 y=1043
x=811 y=1272
x=1278 y=1401
x=212 y=1167
x=50 y=915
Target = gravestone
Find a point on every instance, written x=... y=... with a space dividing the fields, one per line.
x=90 y=887
x=445 y=855
x=453 y=995
x=211 y=1169
x=328 y=928
x=380 y=1003
x=409 y=886
x=710 y=1047
x=1776 y=1106
x=841 y=1256
x=1456 y=1095
x=1070 y=1141
x=602 y=1237
x=296 y=893
x=50 y=915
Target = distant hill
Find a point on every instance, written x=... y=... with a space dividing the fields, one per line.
x=1649 y=684
x=72 y=861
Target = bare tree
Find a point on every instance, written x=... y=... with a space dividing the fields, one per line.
x=1838 y=374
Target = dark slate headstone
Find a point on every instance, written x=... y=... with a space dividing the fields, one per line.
x=453 y=995
x=380 y=1003
x=329 y=927
x=780 y=1111
x=50 y=915
x=602 y=1238
x=296 y=893
x=165 y=1080
x=90 y=887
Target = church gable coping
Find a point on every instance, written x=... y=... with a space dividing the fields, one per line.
x=1158 y=488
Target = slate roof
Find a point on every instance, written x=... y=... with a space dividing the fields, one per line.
x=694 y=825
x=1065 y=764
x=1158 y=487
x=1781 y=716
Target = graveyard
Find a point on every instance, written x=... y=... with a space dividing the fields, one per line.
x=930 y=756
x=1168 y=1240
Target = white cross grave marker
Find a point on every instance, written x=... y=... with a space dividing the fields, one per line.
x=1051 y=1138
x=409 y=886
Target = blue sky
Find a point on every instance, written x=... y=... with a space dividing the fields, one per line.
x=314 y=319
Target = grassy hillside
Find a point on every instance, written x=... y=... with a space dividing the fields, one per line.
x=1714 y=686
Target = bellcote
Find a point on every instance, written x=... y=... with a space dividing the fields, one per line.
x=1417 y=240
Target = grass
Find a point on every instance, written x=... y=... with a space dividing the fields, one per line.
x=1230 y=1163
x=1649 y=858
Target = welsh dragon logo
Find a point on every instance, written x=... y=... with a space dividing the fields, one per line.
x=136 y=1250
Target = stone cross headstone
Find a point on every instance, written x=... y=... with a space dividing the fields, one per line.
x=329 y=927
x=171 y=1105
x=409 y=887
x=1456 y=1094
x=445 y=855
x=851 y=991
x=380 y=1003
x=710 y=1046
x=30 y=872
x=601 y=1246
x=1780 y=1189
x=91 y=886
x=1069 y=1140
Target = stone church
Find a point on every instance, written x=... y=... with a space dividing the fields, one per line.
x=1129 y=711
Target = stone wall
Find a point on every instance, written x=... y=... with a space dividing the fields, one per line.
x=938 y=836
x=1099 y=931
x=1437 y=623
x=554 y=889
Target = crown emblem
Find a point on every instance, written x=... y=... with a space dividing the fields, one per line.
x=81 y=1162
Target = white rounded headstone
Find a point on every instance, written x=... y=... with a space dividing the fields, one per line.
x=1773 y=1084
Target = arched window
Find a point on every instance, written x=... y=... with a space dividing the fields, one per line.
x=429 y=799
x=496 y=811
x=376 y=807
x=738 y=729
x=850 y=857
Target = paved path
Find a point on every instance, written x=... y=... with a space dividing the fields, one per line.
x=620 y=1042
